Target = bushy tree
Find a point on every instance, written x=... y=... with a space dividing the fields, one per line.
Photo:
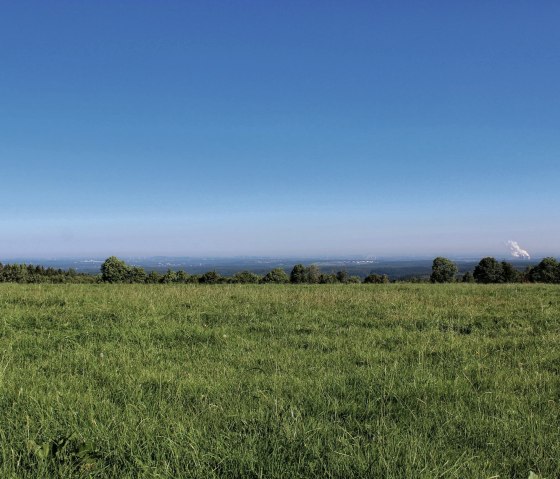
x=510 y=274
x=342 y=276
x=297 y=275
x=301 y=274
x=193 y=278
x=354 y=280
x=373 y=278
x=210 y=277
x=182 y=277
x=489 y=270
x=277 y=275
x=114 y=270
x=15 y=273
x=312 y=274
x=468 y=277
x=137 y=275
x=443 y=270
x=153 y=277
x=547 y=271
x=328 y=279
x=246 y=277
x=169 y=277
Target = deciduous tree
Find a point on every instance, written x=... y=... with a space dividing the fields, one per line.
x=114 y=270
x=277 y=275
x=443 y=270
x=489 y=270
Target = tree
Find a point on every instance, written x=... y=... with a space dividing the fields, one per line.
x=312 y=274
x=327 y=278
x=443 y=270
x=510 y=274
x=246 y=277
x=210 y=277
x=376 y=278
x=354 y=280
x=489 y=270
x=182 y=276
x=547 y=271
x=297 y=275
x=153 y=278
x=193 y=279
x=169 y=277
x=342 y=277
x=277 y=275
x=114 y=270
x=137 y=275
x=468 y=277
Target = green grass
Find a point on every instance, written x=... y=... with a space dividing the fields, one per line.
x=408 y=381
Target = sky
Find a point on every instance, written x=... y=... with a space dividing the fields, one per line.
x=293 y=128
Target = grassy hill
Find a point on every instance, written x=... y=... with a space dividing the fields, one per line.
x=279 y=381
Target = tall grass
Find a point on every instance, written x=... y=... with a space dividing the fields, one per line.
x=389 y=381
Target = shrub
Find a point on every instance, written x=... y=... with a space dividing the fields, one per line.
x=342 y=277
x=245 y=277
x=153 y=277
x=277 y=275
x=376 y=278
x=137 y=275
x=312 y=274
x=210 y=277
x=169 y=277
x=468 y=277
x=182 y=277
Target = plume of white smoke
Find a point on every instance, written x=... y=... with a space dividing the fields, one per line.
x=516 y=251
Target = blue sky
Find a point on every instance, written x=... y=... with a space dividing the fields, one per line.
x=279 y=128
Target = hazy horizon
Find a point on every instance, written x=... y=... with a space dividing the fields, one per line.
x=356 y=257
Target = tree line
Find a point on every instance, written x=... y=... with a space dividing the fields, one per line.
x=490 y=270
x=114 y=270
x=27 y=273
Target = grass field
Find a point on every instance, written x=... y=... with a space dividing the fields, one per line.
x=408 y=381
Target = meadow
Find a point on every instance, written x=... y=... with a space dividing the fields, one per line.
x=291 y=381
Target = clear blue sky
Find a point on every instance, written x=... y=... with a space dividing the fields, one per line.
x=279 y=128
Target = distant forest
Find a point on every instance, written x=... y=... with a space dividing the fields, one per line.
x=114 y=270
